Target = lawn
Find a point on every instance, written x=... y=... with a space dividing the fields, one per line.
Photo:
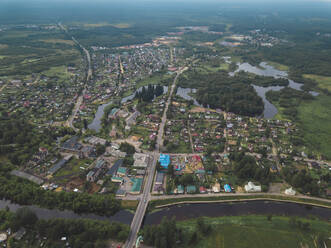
x=257 y=231
x=315 y=119
x=73 y=167
x=323 y=82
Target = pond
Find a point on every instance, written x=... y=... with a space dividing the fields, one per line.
x=184 y=93
x=96 y=123
x=189 y=211
x=122 y=216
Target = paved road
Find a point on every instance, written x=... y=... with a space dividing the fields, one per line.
x=161 y=197
x=146 y=196
x=79 y=101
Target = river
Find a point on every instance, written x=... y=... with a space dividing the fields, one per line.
x=190 y=211
x=122 y=216
x=96 y=123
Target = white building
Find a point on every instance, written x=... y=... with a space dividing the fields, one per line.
x=250 y=187
x=290 y=191
x=217 y=188
x=140 y=160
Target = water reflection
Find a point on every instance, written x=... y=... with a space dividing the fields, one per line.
x=96 y=123
x=268 y=71
x=122 y=216
x=188 y=211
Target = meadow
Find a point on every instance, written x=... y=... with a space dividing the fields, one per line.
x=258 y=231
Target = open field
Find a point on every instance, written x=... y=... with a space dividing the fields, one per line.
x=257 y=231
x=323 y=82
x=73 y=167
x=278 y=66
x=128 y=204
x=58 y=71
x=3 y=46
x=55 y=41
x=105 y=24
x=315 y=119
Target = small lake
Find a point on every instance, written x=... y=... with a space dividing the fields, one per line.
x=96 y=123
x=190 y=211
x=122 y=216
x=184 y=93
x=268 y=71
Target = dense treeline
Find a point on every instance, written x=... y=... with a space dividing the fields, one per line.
x=219 y=90
x=302 y=180
x=78 y=233
x=164 y=235
x=149 y=93
x=19 y=139
x=23 y=192
x=168 y=234
x=246 y=169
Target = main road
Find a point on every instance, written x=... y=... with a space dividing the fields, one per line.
x=79 y=101
x=146 y=195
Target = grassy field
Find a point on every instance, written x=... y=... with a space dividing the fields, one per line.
x=323 y=82
x=223 y=66
x=127 y=204
x=58 y=71
x=105 y=24
x=279 y=66
x=315 y=119
x=73 y=167
x=257 y=231
x=54 y=41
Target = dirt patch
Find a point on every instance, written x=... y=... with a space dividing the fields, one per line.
x=201 y=110
x=94 y=188
x=276 y=187
x=3 y=46
x=75 y=183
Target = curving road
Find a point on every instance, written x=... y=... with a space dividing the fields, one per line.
x=69 y=122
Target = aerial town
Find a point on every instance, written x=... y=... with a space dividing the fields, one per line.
x=162 y=137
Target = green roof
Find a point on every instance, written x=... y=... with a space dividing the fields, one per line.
x=121 y=170
x=137 y=182
x=191 y=189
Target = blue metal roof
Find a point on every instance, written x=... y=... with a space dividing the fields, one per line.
x=227 y=188
x=164 y=160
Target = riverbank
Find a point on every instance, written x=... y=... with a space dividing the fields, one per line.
x=162 y=203
x=255 y=231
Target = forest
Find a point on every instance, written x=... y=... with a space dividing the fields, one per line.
x=219 y=90
x=19 y=139
x=23 y=192
x=78 y=232
x=148 y=94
